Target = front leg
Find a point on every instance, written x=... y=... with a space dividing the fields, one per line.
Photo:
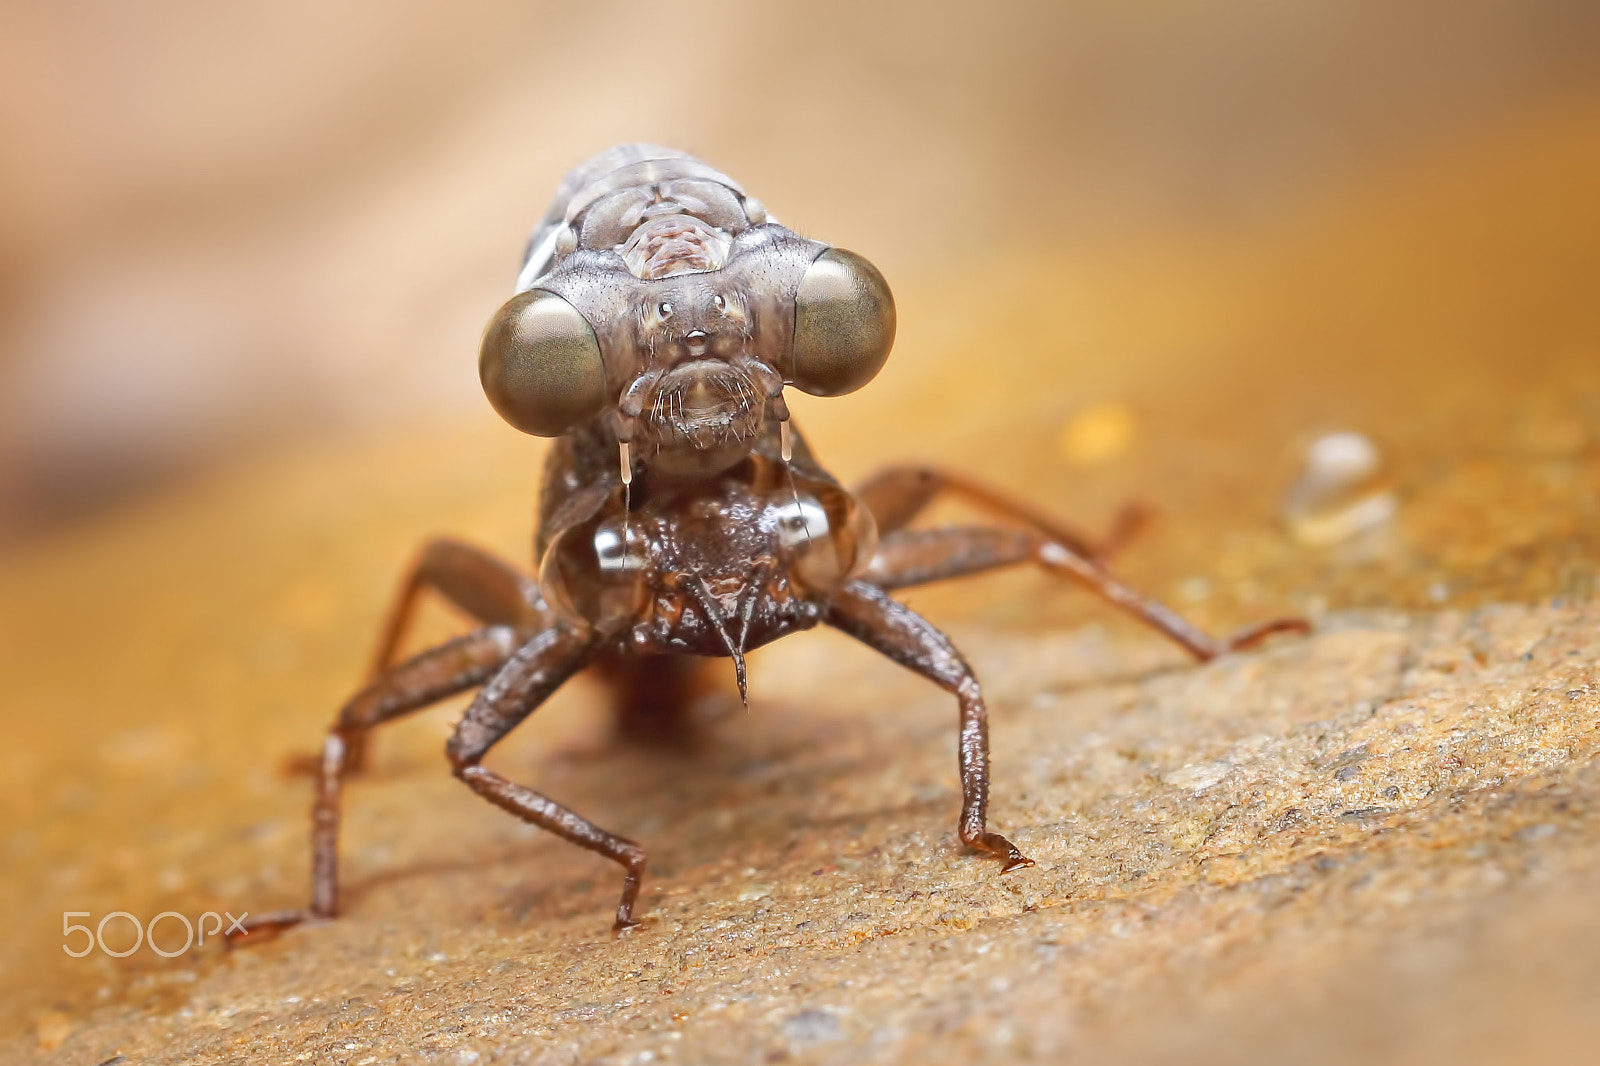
x=535 y=672
x=881 y=623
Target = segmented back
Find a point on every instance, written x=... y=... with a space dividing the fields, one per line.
x=662 y=210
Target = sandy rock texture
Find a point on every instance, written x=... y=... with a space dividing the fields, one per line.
x=1379 y=843
x=1384 y=831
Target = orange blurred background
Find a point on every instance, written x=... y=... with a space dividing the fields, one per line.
x=224 y=228
x=1141 y=250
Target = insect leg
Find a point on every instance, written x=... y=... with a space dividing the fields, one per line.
x=897 y=494
x=890 y=627
x=533 y=673
x=418 y=682
x=487 y=588
x=917 y=557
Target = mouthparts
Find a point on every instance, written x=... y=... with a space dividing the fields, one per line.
x=704 y=403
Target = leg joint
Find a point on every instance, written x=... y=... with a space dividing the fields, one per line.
x=462 y=759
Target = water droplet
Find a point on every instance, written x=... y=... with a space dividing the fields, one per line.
x=1343 y=490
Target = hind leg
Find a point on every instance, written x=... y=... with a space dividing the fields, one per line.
x=485 y=587
x=897 y=494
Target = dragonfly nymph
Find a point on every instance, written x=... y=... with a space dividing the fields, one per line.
x=658 y=319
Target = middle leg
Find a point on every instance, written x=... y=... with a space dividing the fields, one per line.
x=920 y=556
x=400 y=690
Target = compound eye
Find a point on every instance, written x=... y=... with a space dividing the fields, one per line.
x=541 y=366
x=843 y=324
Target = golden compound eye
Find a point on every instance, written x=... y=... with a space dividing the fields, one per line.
x=843 y=324
x=541 y=366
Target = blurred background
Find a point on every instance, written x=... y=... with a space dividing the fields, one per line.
x=224 y=228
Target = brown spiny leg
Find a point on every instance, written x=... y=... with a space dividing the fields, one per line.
x=418 y=682
x=536 y=671
x=869 y=615
x=487 y=589
x=920 y=556
x=897 y=494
